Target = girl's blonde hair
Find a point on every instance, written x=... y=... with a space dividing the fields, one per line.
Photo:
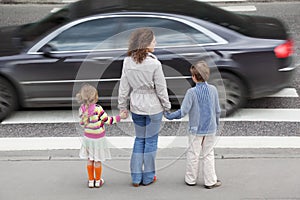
x=139 y=41
x=87 y=95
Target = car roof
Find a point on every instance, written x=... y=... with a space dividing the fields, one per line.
x=84 y=8
x=193 y=8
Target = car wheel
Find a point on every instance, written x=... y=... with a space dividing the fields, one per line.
x=232 y=92
x=8 y=100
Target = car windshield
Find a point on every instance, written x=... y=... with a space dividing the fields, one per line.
x=32 y=31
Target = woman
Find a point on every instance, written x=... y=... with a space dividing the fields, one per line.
x=143 y=78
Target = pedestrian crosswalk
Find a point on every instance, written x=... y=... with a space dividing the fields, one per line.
x=248 y=8
x=27 y=119
x=246 y=114
x=69 y=116
x=72 y=143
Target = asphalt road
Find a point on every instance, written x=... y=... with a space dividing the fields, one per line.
x=288 y=12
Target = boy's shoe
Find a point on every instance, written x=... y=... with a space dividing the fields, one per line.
x=190 y=184
x=91 y=183
x=217 y=184
x=99 y=183
x=154 y=180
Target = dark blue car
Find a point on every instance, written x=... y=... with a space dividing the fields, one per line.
x=41 y=64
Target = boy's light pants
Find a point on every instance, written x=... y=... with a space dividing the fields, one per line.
x=203 y=145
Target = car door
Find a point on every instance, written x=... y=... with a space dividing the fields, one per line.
x=180 y=43
x=79 y=52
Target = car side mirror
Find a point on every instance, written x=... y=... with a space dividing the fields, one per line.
x=47 y=49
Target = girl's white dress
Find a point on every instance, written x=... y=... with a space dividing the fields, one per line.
x=95 y=149
x=95 y=146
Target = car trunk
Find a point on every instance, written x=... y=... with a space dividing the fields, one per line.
x=265 y=27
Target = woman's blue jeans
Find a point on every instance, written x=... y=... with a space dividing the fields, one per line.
x=142 y=162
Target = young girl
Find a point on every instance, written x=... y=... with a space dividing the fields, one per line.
x=94 y=145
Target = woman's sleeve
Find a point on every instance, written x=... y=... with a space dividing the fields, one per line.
x=161 y=87
x=123 y=90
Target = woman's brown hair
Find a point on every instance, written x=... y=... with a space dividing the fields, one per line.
x=139 y=40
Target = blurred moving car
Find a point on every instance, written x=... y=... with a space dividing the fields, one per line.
x=86 y=41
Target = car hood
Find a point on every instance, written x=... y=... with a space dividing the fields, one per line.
x=8 y=41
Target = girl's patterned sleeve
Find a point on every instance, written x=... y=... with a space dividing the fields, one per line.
x=107 y=119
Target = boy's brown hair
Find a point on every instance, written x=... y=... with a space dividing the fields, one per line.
x=200 y=71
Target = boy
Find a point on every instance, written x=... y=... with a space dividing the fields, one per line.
x=202 y=104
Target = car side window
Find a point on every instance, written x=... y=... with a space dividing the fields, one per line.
x=168 y=32
x=89 y=35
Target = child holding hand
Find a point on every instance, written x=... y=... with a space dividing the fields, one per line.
x=201 y=103
x=94 y=144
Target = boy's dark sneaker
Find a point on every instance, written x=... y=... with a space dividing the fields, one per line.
x=217 y=184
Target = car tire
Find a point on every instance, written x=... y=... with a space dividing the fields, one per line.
x=235 y=92
x=8 y=98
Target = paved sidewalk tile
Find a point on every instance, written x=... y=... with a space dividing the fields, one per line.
x=255 y=179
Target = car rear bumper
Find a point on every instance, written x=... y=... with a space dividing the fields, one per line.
x=283 y=79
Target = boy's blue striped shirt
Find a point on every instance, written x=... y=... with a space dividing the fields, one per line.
x=207 y=115
x=201 y=103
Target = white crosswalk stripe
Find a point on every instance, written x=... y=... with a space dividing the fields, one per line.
x=286 y=92
x=58 y=143
x=69 y=116
x=239 y=8
x=247 y=114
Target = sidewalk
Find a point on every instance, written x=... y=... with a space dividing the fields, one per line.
x=247 y=171
x=65 y=179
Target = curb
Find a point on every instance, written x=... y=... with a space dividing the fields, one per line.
x=164 y=142
x=165 y=154
x=174 y=148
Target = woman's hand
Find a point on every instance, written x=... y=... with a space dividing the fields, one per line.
x=173 y=115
